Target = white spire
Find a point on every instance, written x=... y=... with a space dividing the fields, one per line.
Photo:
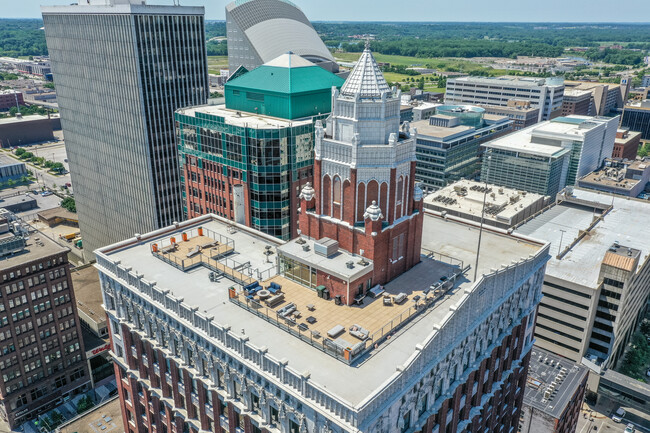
x=366 y=79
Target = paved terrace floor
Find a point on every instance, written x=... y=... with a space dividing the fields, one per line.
x=201 y=249
x=375 y=317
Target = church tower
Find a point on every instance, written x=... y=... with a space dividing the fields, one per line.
x=364 y=193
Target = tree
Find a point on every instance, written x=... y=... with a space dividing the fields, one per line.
x=57 y=167
x=11 y=183
x=20 y=151
x=69 y=204
x=421 y=83
x=84 y=404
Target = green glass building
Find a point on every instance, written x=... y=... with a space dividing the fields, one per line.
x=247 y=160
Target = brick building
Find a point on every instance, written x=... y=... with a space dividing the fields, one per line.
x=10 y=98
x=364 y=193
x=42 y=354
x=247 y=160
x=577 y=101
x=626 y=144
x=295 y=359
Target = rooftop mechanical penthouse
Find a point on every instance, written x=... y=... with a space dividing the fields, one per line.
x=215 y=325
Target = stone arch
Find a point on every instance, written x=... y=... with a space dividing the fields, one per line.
x=326 y=195
x=348 y=202
x=372 y=193
x=361 y=201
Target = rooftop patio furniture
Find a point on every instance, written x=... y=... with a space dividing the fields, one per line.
x=376 y=291
x=287 y=310
x=399 y=298
x=335 y=331
x=311 y=307
x=388 y=301
x=264 y=294
x=194 y=252
x=303 y=327
x=274 y=288
x=359 y=332
x=275 y=300
x=315 y=334
x=311 y=320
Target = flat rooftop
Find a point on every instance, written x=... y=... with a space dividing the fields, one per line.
x=194 y=285
x=569 y=127
x=617 y=177
x=29 y=118
x=106 y=418
x=509 y=80
x=626 y=223
x=38 y=246
x=242 y=118
x=426 y=129
x=88 y=292
x=552 y=382
x=576 y=93
x=466 y=196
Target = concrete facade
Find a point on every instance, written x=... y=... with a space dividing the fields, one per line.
x=543 y=93
x=117 y=110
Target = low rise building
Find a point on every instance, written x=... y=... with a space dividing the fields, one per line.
x=504 y=207
x=424 y=110
x=448 y=145
x=546 y=157
x=85 y=280
x=10 y=98
x=598 y=281
x=645 y=81
x=626 y=144
x=636 y=117
x=578 y=102
x=22 y=130
x=555 y=390
x=621 y=177
x=12 y=171
x=520 y=112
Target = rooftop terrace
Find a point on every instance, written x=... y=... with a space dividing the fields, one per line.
x=202 y=288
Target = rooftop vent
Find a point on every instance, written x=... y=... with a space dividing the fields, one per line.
x=305 y=248
x=350 y=265
x=326 y=247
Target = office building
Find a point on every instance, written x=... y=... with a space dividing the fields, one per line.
x=504 y=207
x=605 y=97
x=621 y=177
x=424 y=110
x=521 y=113
x=10 y=98
x=598 y=281
x=24 y=130
x=626 y=144
x=448 y=145
x=636 y=117
x=262 y=30
x=578 y=102
x=555 y=390
x=545 y=158
x=42 y=359
x=216 y=355
x=122 y=68
x=247 y=160
x=543 y=93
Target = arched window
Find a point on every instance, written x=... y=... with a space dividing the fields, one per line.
x=400 y=190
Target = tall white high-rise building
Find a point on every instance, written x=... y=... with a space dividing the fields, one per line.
x=121 y=69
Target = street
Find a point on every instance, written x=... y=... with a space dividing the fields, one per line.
x=53 y=152
x=596 y=422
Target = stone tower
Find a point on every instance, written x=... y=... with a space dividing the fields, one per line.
x=364 y=193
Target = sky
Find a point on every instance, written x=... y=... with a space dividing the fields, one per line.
x=413 y=10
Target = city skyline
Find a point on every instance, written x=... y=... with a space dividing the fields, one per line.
x=581 y=11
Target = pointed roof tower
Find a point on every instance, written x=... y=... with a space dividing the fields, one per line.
x=366 y=79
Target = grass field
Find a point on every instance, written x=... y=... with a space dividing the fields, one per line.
x=217 y=62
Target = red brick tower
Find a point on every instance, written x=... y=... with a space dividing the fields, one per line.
x=364 y=194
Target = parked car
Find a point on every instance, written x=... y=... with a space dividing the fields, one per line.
x=68 y=184
x=629 y=428
x=46 y=193
x=619 y=415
